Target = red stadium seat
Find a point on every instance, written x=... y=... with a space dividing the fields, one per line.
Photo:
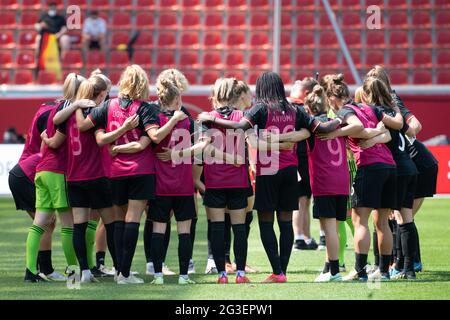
x=285 y=60
x=442 y=19
x=213 y=40
x=259 y=60
x=398 y=76
x=260 y=21
x=31 y=4
x=27 y=39
x=328 y=39
x=165 y=59
x=72 y=59
x=191 y=21
x=8 y=20
x=119 y=38
x=443 y=77
x=443 y=39
x=286 y=5
x=189 y=59
x=398 y=20
x=121 y=20
x=96 y=59
x=398 y=39
x=29 y=19
x=356 y=57
x=209 y=77
x=238 y=74
x=81 y=3
x=212 y=60
x=145 y=5
x=397 y=4
x=305 y=59
x=328 y=59
x=333 y=4
x=114 y=76
x=375 y=39
x=422 y=39
x=143 y=58
x=235 y=60
x=421 y=19
x=145 y=20
x=305 y=4
x=4 y=76
x=353 y=39
x=167 y=40
x=442 y=4
x=6 y=59
x=122 y=5
x=46 y=78
x=259 y=40
x=421 y=4
x=253 y=76
x=422 y=58
x=9 y=4
x=214 y=21
x=236 y=21
x=214 y=5
x=423 y=77
x=305 y=39
x=259 y=5
x=324 y=21
x=305 y=20
x=443 y=58
x=374 y=58
x=100 y=4
x=119 y=59
x=189 y=40
x=286 y=40
x=379 y=3
x=286 y=21
x=145 y=40
x=236 y=40
x=286 y=76
x=237 y=4
x=168 y=20
x=351 y=4
x=25 y=59
x=6 y=39
x=398 y=58
x=171 y=5
x=23 y=77
x=191 y=76
x=351 y=20
x=191 y=5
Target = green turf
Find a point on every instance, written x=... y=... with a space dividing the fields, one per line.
x=434 y=283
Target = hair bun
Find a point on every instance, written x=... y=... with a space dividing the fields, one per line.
x=338 y=77
x=317 y=90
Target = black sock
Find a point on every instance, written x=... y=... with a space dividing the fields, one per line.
x=286 y=241
x=418 y=258
x=240 y=246
x=148 y=230
x=385 y=260
x=45 y=262
x=394 y=228
x=184 y=252
x=326 y=267
x=360 y=264
x=248 y=222
x=218 y=244
x=130 y=237
x=119 y=227
x=166 y=240
x=100 y=258
x=270 y=244
x=110 y=241
x=334 y=267
x=399 y=261
x=79 y=244
x=209 y=238
x=409 y=245
x=157 y=251
x=192 y=233
x=376 y=251
x=227 y=238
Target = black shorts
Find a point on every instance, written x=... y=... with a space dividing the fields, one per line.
x=375 y=187
x=304 y=185
x=406 y=188
x=139 y=187
x=232 y=199
x=183 y=208
x=94 y=194
x=277 y=192
x=333 y=206
x=426 y=182
x=23 y=191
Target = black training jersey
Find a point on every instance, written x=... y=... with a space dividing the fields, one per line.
x=302 y=150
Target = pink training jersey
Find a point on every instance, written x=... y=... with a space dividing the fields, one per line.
x=83 y=152
x=125 y=164
x=271 y=162
x=174 y=179
x=328 y=167
x=379 y=153
x=33 y=143
x=53 y=160
x=29 y=165
x=223 y=175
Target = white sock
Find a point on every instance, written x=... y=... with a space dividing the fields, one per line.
x=240 y=273
x=308 y=241
x=159 y=274
x=299 y=237
x=184 y=276
x=223 y=274
x=322 y=233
